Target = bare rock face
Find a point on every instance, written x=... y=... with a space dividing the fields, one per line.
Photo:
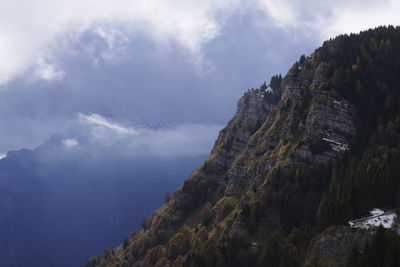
x=309 y=125
x=250 y=114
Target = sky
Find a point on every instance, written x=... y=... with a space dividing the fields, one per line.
x=152 y=76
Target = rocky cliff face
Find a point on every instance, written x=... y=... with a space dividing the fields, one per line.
x=309 y=125
x=256 y=199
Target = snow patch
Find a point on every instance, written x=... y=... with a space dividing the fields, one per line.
x=378 y=218
x=376 y=212
x=386 y=221
x=3 y=155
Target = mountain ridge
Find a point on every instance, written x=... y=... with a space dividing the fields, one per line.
x=280 y=173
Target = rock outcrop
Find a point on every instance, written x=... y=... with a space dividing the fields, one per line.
x=309 y=125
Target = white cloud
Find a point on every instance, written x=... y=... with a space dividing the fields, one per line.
x=281 y=11
x=3 y=155
x=115 y=40
x=185 y=139
x=70 y=142
x=362 y=16
x=330 y=18
x=100 y=122
x=47 y=71
x=29 y=28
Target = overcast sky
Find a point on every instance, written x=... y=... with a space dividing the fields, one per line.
x=161 y=75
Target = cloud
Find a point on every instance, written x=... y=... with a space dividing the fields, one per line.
x=133 y=60
x=143 y=84
x=352 y=18
x=34 y=29
x=100 y=122
x=330 y=18
x=48 y=72
x=70 y=142
x=43 y=28
x=100 y=135
x=185 y=139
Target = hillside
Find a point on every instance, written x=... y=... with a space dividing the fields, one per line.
x=301 y=157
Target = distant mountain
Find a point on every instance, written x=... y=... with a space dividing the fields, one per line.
x=59 y=207
x=301 y=158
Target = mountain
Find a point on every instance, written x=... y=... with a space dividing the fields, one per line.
x=59 y=205
x=301 y=158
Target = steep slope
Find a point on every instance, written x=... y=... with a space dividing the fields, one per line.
x=294 y=160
